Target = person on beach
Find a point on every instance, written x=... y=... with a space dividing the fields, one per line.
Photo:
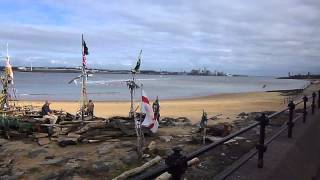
x=90 y=108
x=47 y=113
x=156 y=109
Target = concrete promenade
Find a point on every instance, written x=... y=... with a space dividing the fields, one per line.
x=289 y=159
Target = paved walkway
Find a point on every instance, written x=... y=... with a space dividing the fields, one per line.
x=293 y=159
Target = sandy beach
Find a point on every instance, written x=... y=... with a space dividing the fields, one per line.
x=229 y=105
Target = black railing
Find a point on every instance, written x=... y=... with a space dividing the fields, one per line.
x=176 y=163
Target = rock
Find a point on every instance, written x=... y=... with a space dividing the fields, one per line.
x=102 y=166
x=35 y=152
x=43 y=141
x=50 y=157
x=74 y=135
x=145 y=155
x=152 y=146
x=105 y=148
x=62 y=174
x=183 y=119
x=213 y=118
x=72 y=164
x=130 y=158
x=166 y=138
x=40 y=135
x=221 y=129
x=213 y=138
x=127 y=144
x=243 y=114
x=3 y=141
x=65 y=141
x=180 y=121
x=196 y=139
x=4 y=171
x=168 y=152
x=16 y=174
x=57 y=161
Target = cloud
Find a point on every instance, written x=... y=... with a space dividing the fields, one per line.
x=245 y=37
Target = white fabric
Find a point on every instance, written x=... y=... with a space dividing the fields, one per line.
x=149 y=121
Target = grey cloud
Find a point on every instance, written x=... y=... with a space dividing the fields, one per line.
x=248 y=37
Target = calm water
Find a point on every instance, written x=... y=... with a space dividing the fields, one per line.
x=54 y=86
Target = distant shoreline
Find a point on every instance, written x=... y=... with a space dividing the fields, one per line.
x=119 y=71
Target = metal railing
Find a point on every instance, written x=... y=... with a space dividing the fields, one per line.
x=176 y=163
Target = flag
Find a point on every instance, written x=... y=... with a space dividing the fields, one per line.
x=9 y=71
x=85 y=52
x=149 y=121
x=137 y=67
x=85 y=48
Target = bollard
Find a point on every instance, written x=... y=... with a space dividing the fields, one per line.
x=313 y=105
x=319 y=99
x=305 y=100
x=290 y=124
x=177 y=163
x=264 y=121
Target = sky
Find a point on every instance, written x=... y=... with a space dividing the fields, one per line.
x=253 y=37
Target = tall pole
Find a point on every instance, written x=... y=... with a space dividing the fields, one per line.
x=140 y=135
x=6 y=79
x=84 y=83
x=132 y=87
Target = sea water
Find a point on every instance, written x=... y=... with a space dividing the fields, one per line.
x=112 y=87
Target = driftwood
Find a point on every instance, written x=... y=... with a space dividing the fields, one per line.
x=139 y=169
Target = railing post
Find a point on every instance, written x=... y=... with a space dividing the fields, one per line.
x=319 y=99
x=290 y=124
x=313 y=105
x=305 y=100
x=264 y=121
x=177 y=163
